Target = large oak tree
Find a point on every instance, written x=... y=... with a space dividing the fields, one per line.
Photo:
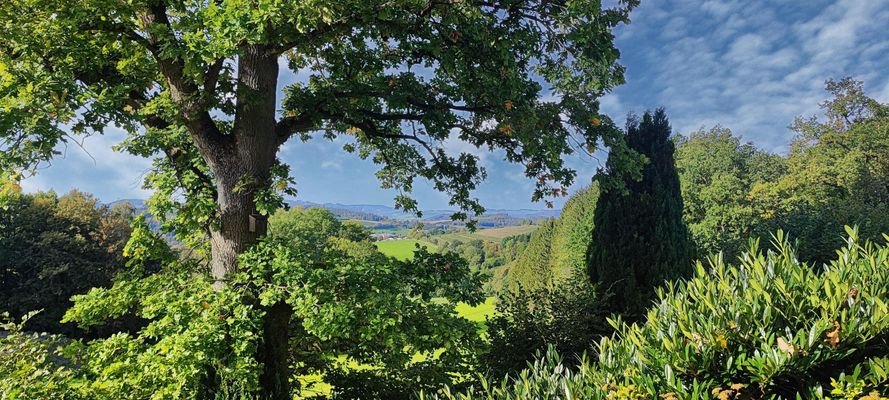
x=195 y=83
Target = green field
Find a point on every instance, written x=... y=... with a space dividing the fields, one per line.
x=506 y=231
x=478 y=314
x=491 y=234
x=402 y=249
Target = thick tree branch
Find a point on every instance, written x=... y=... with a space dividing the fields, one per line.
x=288 y=126
x=211 y=79
x=184 y=91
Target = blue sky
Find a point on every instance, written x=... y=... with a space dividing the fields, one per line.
x=750 y=66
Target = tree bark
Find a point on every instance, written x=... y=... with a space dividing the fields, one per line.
x=241 y=164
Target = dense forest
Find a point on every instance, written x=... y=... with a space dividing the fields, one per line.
x=692 y=265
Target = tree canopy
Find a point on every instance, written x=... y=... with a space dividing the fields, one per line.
x=399 y=78
x=195 y=84
x=835 y=174
x=717 y=173
x=53 y=247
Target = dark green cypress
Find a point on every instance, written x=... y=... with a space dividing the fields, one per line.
x=639 y=239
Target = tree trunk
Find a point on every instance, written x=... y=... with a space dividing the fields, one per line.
x=240 y=167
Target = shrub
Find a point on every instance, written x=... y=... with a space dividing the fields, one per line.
x=570 y=317
x=31 y=364
x=770 y=327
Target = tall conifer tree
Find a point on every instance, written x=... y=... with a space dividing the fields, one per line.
x=639 y=239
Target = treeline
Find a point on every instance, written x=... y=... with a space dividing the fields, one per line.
x=644 y=234
x=836 y=173
x=558 y=247
x=485 y=255
x=53 y=247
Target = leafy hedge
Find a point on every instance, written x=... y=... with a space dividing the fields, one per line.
x=769 y=327
x=558 y=248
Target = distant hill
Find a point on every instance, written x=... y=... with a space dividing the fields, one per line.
x=364 y=212
x=381 y=213
x=521 y=213
x=428 y=215
x=138 y=204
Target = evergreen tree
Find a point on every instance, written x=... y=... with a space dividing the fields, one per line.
x=571 y=236
x=531 y=270
x=557 y=250
x=639 y=238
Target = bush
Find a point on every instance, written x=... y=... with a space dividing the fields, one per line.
x=570 y=317
x=32 y=365
x=771 y=327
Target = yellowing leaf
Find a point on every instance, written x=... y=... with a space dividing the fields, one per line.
x=786 y=346
x=721 y=341
x=832 y=337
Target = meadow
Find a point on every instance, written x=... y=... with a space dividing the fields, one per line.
x=402 y=249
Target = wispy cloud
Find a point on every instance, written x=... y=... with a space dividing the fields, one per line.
x=754 y=66
x=94 y=168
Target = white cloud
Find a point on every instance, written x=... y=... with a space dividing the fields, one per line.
x=94 y=168
x=334 y=165
x=453 y=146
x=751 y=67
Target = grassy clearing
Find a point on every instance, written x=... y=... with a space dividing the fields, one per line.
x=490 y=234
x=478 y=314
x=402 y=249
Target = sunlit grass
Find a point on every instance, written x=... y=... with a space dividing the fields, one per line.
x=402 y=249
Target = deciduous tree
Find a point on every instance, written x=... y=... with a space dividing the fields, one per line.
x=195 y=84
x=717 y=172
x=837 y=174
x=52 y=248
